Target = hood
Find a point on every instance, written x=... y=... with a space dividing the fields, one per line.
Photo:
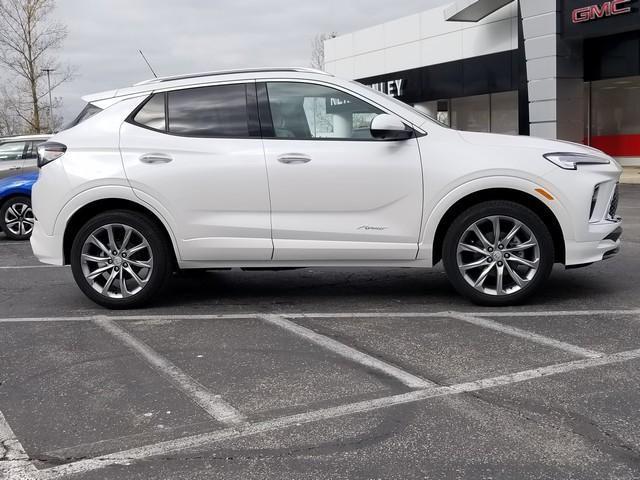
x=550 y=146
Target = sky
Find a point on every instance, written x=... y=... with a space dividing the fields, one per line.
x=183 y=36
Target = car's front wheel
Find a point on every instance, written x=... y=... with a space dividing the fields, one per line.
x=120 y=259
x=498 y=253
x=16 y=218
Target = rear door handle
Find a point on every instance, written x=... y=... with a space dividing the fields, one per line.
x=156 y=158
x=294 y=158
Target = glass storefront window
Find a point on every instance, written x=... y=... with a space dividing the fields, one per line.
x=614 y=107
x=504 y=113
x=496 y=112
x=613 y=117
x=471 y=113
x=438 y=109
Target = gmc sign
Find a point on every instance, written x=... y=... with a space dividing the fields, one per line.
x=596 y=12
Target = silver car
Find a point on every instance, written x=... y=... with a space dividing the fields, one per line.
x=19 y=154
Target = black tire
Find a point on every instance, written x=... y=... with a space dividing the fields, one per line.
x=24 y=228
x=502 y=208
x=159 y=246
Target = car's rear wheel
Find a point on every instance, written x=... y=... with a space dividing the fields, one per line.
x=498 y=253
x=120 y=259
x=16 y=218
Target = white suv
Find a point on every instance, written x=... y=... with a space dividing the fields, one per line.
x=296 y=168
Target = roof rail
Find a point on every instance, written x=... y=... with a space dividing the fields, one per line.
x=228 y=72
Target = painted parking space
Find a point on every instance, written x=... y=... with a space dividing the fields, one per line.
x=260 y=369
x=606 y=332
x=69 y=389
x=442 y=349
x=318 y=374
x=193 y=350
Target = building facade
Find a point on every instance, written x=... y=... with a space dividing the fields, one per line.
x=565 y=69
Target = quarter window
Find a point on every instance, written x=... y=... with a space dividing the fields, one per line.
x=12 y=151
x=152 y=114
x=218 y=111
x=308 y=111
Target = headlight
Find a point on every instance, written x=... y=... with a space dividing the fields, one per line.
x=570 y=161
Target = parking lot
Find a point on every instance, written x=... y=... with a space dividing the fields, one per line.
x=323 y=374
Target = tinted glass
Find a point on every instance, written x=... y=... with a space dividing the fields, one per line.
x=87 y=112
x=219 y=111
x=152 y=113
x=12 y=150
x=306 y=111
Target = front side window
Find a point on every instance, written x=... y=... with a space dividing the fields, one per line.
x=12 y=150
x=308 y=111
x=218 y=111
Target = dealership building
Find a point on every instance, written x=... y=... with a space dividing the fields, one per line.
x=565 y=69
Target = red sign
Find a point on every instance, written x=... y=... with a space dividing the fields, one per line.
x=596 y=12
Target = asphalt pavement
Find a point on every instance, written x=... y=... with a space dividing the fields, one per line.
x=322 y=374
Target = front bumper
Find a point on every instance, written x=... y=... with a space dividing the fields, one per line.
x=583 y=253
x=47 y=248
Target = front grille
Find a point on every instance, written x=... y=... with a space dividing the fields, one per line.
x=613 y=207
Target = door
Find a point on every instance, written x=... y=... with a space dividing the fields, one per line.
x=12 y=157
x=31 y=156
x=337 y=193
x=198 y=153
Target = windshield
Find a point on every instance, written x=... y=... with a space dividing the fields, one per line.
x=401 y=103
x=87 y=112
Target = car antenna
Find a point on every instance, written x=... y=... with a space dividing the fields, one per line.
x=148 y=64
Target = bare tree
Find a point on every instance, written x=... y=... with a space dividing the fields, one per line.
x=317 y=49
x=27 y=41
x=10 y=122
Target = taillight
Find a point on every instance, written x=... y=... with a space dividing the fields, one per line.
x=49 y=151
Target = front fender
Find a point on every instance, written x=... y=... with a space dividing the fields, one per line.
x=437 y=213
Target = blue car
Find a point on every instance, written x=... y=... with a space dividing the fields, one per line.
x=16 y=216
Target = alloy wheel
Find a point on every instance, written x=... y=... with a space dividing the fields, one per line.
x=116 y=260
x=498 y=255
x=18 y=219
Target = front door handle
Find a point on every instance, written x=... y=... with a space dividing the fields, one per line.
x=156 y=158
x=294 y=158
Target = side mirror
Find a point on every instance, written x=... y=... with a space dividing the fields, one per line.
x=389 y=127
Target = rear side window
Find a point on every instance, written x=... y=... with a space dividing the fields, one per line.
x=218 y=111
x=152 y=113
x=87 y=112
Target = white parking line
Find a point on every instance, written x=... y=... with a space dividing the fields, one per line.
x=350 y=353
x=214 y=405
x=378 y=314
x=554 y=313
x=132 y=318
x=530 y=336
x=14 y=461
x=28 y=267
x=207 y=439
